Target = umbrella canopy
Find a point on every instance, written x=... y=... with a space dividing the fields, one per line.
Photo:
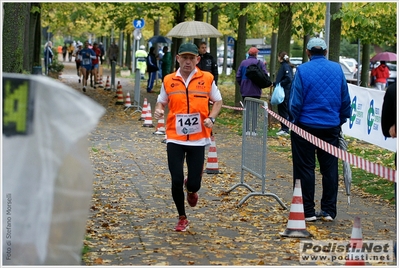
x=346 y=168
x=384 y=56
x=68 y=41
x=159 y=39
x=194 y=29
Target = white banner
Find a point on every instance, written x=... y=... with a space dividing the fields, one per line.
x=365 y=121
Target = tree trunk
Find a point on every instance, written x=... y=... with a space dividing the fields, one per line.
x=273 y=57
x=305 y=57
x=335 y=33
x=198 y=16
x=128 y=61
x=15 y=40
x=180 y=15
x=240 y=53
x=284 y=30
x=365 y=65
x=215 y=22
x=37 y=37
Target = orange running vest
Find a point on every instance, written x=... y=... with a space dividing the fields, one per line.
x=188 y=101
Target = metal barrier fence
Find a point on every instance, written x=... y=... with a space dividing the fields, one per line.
x=254 y=148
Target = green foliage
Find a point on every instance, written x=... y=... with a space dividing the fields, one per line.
x=373 y=23
x=56 y=66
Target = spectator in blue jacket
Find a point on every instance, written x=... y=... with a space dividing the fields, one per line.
x=319 y=104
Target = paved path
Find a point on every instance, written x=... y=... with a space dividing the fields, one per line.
x=132 y=213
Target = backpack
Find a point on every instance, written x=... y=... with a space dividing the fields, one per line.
x=257 y=76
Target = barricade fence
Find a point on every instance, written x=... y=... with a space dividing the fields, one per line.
x=254 y=148
x=375 y=168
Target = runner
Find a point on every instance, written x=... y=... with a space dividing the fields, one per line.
x=95 y=63
x=86 y=55
x=78 y=59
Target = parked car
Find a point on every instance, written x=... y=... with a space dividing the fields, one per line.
x=229 y=61
x=392 y=73
x=296 y=61
x=391 y=67
x=349 y=75
x=350 y=62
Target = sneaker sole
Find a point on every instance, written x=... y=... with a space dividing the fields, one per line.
x=182 y=230
x=311 y=219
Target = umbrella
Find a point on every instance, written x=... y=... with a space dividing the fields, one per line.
x=346 y=168
x=159 y=39
x=384 y=56
x=194 y=29
x=68 y=41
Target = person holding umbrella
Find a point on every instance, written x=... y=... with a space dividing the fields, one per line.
x=381 y=74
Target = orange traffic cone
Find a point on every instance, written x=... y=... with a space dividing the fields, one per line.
x=119 y=95
x=296 y=226
x=212 y=166
x=160 y=127
x=128 y=102
x=144 y=111
x=354 y=256
x=148 y=117
x=107 y=84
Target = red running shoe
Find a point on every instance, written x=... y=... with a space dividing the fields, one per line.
x=182 y=224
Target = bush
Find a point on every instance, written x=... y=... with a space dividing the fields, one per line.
x=55 y=65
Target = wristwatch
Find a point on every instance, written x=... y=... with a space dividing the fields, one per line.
x=212 y=119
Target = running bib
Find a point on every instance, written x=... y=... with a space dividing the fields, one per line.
x=86 y=61
x=188 y=124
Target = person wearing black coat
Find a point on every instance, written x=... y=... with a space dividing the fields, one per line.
x=207 y=62
x=284 y=78
x=152 y=68
x=388 y=124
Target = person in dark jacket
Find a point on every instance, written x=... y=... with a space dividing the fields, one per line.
x=152 y=68
x=319 y=104
x=48 y=55
x=284 y=78
x=166 y=62
x=101 y=47
x=207 y=62
x=388 y=124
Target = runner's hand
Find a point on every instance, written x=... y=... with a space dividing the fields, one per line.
x=158 y=114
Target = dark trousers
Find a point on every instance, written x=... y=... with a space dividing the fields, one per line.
x=283 y=109
x=151 y=80
x=194 y=156
x=304 y=163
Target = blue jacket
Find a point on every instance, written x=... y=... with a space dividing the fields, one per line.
x=319 y=94
x=247 y=87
